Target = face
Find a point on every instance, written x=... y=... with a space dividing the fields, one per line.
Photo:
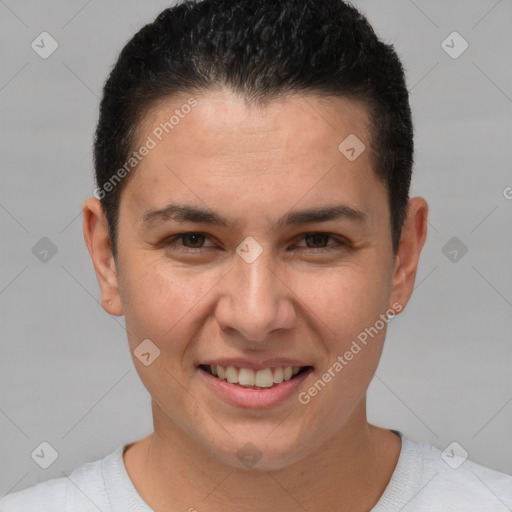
x=251 y=283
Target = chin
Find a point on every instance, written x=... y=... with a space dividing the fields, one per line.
x=260 y=452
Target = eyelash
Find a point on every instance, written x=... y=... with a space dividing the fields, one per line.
x=168 y=243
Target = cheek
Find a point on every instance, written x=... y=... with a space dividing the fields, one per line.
x=160 y=300
x=346 y=307
x=344 y=300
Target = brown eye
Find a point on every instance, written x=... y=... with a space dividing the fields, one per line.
x=318 y=242
x=317 y=239
x=196 y=239
x=190 y=242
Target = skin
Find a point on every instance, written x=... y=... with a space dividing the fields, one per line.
x=252 y=165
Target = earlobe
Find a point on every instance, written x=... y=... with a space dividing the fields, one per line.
x=413 y=238
x=95 y=229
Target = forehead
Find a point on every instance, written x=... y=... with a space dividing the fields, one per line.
x=222 y=117
x=215 y=147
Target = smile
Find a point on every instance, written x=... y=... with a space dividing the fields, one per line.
x=256 y=379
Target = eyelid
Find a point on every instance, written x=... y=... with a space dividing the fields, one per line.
x=169 y=240
x=340 y=241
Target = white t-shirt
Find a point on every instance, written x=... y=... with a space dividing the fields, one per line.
x=422 y=482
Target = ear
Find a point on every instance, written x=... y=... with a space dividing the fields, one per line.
x=412 y=240
x=99 y=246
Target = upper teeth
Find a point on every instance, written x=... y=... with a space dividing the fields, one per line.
x=264 y=378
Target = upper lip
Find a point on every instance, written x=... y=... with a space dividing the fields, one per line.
x=254 y=365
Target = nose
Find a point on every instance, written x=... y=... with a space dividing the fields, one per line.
x=256 y=301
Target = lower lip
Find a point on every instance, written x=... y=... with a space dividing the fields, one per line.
x=255 y=398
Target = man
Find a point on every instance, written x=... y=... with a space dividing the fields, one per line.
x=253 y=224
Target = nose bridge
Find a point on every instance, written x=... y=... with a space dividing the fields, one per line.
x=257 y=302
x=260 y=285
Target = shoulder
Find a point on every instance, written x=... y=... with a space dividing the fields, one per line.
x=82 y=491
x=43 y=497
x=447 y=481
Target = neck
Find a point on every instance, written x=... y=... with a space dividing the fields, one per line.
x=349 y=472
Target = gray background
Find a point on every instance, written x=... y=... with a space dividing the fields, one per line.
x=66 y=373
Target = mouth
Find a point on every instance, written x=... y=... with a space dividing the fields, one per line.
x=248 y=378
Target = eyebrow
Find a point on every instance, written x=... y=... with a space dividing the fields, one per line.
x=188 y=213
